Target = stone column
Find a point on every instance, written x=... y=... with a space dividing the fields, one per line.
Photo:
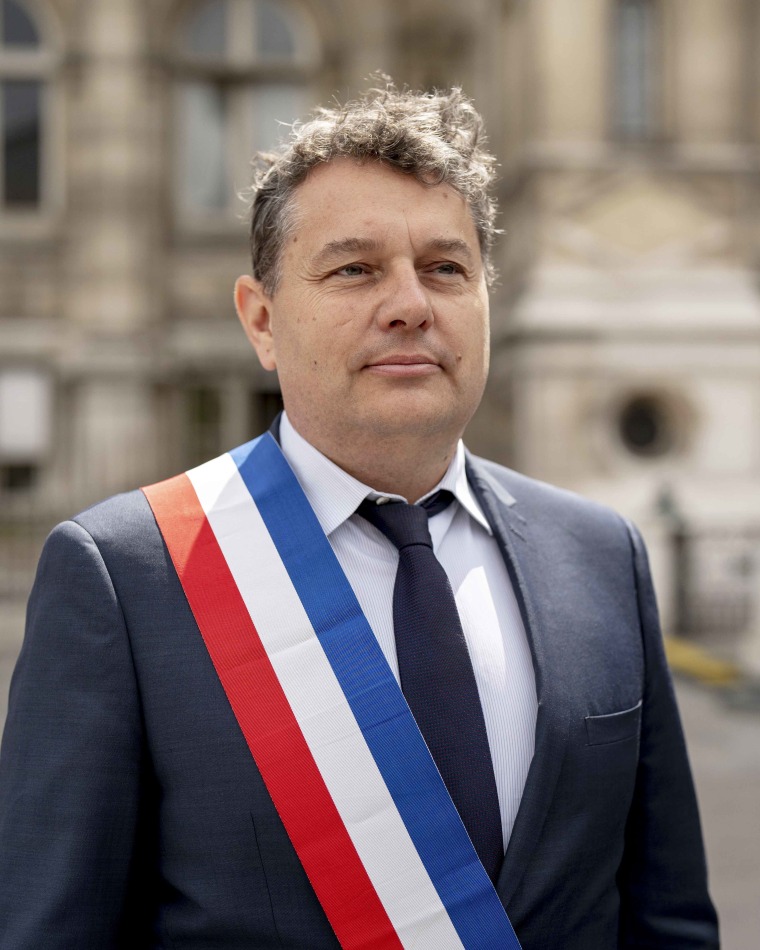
x=113 y=250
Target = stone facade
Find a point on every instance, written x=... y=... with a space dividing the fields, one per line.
x=632 y=355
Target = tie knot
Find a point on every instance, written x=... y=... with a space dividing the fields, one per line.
x=405 y=524
x=402 y=524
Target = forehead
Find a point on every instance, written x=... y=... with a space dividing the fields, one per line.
x=345 y=198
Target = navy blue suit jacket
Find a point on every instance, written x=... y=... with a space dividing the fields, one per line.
x=132 y=814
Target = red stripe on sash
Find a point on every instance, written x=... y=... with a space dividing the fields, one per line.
x=264 y=715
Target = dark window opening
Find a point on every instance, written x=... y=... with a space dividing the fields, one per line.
x=646 y=427
x=636 y=70
x=273 y=35
x=21 y=101
x=18 y=28
x=18 y=477
x=243 y=75
x=207 y=30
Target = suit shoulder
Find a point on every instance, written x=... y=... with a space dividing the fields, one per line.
x=121 y=529
x=539 y=501
x=124 y=516
x=110 y=531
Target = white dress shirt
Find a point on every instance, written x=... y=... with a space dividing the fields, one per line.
x=464 y=544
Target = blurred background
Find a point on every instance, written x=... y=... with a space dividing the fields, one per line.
x=626 y=324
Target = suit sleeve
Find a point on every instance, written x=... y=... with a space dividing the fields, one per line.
x=71 y=760
x=663 y=876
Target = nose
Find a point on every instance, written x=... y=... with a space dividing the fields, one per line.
x=405 y=303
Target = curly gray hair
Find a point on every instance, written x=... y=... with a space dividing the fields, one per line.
x=438 y=137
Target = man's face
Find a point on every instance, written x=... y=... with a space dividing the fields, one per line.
x=379 y=325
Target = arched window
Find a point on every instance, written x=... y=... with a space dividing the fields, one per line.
x=25 y=66
x=244 y=69
x=637 y=80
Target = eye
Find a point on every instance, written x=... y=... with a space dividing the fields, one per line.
x=447 y=268
x=351 y=270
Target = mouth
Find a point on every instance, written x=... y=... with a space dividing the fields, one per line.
x=404 y=365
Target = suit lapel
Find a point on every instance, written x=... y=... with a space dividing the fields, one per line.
x=529 y=579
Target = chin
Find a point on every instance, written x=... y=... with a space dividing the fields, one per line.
x=407 y=422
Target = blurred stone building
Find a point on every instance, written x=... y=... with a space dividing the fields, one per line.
x=626 y=327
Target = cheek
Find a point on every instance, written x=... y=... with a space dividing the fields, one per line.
x=306 y=352
x=475 y=338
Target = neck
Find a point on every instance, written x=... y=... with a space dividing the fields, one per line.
x=395 y=476
x=405 y=465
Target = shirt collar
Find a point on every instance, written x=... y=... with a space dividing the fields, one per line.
x=335 y=495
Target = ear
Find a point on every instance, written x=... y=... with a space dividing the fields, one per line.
x=254 y=309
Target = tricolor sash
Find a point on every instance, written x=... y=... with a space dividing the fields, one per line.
x=325 y=720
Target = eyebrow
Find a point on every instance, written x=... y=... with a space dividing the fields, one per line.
x=348 y=245
x=451 y=246
x=357 y=245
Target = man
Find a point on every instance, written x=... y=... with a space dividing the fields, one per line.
x=207 y=745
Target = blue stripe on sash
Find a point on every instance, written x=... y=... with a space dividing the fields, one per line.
x=375 y=699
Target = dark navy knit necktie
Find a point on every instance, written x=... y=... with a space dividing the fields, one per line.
x=436 y=671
